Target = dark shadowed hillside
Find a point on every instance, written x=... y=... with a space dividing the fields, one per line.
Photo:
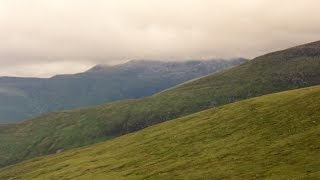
x=22 y=98
x=284 y=70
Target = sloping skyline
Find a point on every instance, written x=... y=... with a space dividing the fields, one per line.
x=42 y=38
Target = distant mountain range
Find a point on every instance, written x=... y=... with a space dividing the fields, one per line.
x=279 y=71
x=23 y=98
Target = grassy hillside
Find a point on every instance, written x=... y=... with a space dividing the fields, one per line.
x=289 y=69
x=23 y=98
x=274 y=137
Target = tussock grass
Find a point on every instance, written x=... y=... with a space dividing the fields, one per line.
x=270 y=137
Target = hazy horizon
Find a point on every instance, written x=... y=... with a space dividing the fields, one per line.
x=45 y=38
x=87 y=68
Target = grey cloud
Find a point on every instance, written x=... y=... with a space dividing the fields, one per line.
x=55 y=33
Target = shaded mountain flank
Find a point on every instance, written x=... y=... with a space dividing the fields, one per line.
x=24 y=98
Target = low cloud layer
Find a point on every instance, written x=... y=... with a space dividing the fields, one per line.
x=47 y=37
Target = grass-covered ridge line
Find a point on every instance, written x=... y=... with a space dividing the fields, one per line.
x=274 y=137
x=289 y=69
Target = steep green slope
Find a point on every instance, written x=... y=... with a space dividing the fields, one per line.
x=283 y=70
x=23 y=98
x=274 y=137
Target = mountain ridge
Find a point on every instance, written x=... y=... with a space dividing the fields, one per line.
x=124 y=81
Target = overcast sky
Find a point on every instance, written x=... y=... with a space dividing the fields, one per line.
x=46 y=37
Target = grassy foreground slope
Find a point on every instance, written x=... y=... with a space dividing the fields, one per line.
x=274 y=136
x=289 y=69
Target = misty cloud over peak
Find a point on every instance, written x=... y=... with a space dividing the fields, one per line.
x=65 y=36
